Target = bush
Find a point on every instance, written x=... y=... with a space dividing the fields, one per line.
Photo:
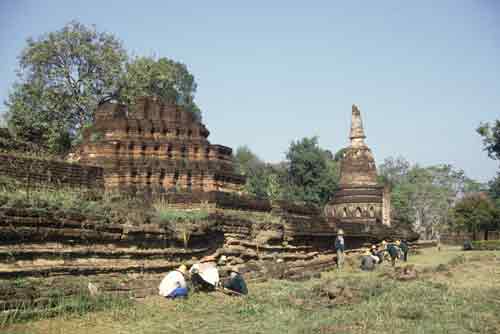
x=486 y=245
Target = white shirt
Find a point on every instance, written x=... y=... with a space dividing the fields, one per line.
x=170 y=282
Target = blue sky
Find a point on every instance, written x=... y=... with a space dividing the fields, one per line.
x=424 y=73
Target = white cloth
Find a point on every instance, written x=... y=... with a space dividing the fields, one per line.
x=170 y=282
x=207 y=271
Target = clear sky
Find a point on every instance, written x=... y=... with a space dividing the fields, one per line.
x=424 y=73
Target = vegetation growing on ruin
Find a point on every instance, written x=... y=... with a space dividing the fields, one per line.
x=105 y=208
x=57 y=304
x=260 y=218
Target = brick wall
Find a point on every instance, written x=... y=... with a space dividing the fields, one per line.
x=56 y=173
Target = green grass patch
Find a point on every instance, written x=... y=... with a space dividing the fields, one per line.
x=486 y=245
x=62 y=306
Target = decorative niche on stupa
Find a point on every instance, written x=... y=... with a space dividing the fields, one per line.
x=158 y=146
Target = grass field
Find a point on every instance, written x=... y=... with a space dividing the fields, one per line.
x=455 y=292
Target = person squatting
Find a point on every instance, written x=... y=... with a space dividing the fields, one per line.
x=202 y=276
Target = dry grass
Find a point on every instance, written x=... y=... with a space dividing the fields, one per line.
x=465 y=298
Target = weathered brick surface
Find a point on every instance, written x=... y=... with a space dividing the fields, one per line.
x=157 y=146
x=56 y=173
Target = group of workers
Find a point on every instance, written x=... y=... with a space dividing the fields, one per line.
x=203 y=276
x=376 y=254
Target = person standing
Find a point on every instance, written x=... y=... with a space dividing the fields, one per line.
x=339 y=248
x=404 y=248
x=393 y=251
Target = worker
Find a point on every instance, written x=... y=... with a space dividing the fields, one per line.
x=377 y=256
x=339 y=248
x=367 y=262
x=393 y=251
x=173 y=284
x=467 y=245
x=403 y=245
x=236 y=283
x=204 y=274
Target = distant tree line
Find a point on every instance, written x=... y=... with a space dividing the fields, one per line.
x=432 y=199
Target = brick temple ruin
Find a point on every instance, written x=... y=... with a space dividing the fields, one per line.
x=360 y=198
x=159 y=147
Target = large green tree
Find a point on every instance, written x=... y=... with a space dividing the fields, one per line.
x=263 y=180
x=474 y=213
x=312 y=174
x=64 y=75
x=164 y=78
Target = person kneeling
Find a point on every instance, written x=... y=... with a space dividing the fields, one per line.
x=173 y=284
x=205 y=275
x=236 y=283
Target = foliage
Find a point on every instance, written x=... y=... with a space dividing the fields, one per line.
x=263 y=180
x=64 y=75
x=164 y=213
x=475 y=212
x=309 y=175
x=486 y=245
x=59 y=305
x=494 y=189
x=312 y=176
x=423 y=196
x=107 y=208
x=166 y=79
x=491 y=138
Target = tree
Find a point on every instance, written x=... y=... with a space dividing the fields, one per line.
x=393 y=170
x=63 y=76
x=475 y=212
x=246 y=161
x=491 y=138
x=423 y=196
x=263 y=180
x=164 y=78
x=311 y=175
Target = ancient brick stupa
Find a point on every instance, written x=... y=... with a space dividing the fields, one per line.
x=157 y=146
x=360 y=199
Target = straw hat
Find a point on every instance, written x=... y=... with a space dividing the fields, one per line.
x=209 y=258
x=182 y=269
x=340 y=231
x=234 y=269
x=222 y=259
